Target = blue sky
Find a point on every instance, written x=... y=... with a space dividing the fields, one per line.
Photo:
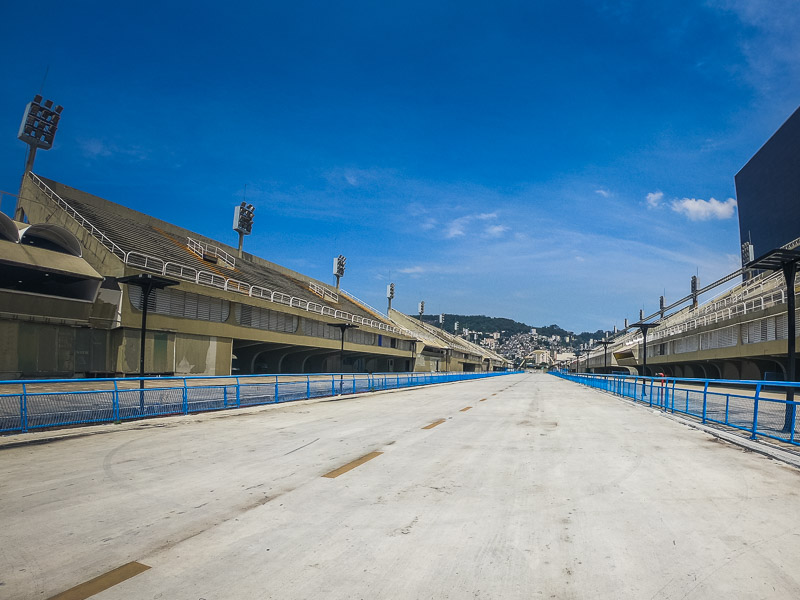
x=551 y=162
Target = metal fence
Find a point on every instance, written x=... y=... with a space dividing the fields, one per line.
x=37 y=404
x=760 y=408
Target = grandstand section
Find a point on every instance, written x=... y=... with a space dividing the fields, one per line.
x=438 y=350
x=739 y=334
x=225 y=315
x=220 y=314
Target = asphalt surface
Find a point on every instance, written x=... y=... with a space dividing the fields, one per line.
x=540 y=489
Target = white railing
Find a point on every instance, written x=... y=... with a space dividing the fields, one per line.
x=205 y=278
x=93 y=231
x=362 y=303
x=323 y=292
x=203 y=250
x=769 y=297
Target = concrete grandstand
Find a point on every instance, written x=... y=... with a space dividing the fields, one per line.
x=223 y=315
x=739 y=334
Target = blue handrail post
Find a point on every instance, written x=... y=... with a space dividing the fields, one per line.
x=238 y=393
x=224 y=396
x=727 y=405
x=705 y=400
x=333 y=385
x=354 y=383
x=115 y=402
x=23 y=409
x=185 y=398
x=308 y=387
x=651 y=391
x=276 y=389
x=755 y=412
x=634 y=389
x=673 y=396
x=794 y=423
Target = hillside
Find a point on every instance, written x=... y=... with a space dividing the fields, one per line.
x=509 y=327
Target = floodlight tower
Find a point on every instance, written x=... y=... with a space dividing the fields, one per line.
x=421 y=308
x=243 y=222
x=390 y=294
x=338 y=268
x=38 y=130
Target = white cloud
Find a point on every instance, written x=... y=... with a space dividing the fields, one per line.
x=427 y=224
x=654 y=199
x=458 y=227
x=496 y=230
x=97 y=148
x=769 y=43
x=416 y=270
x=704 y=210
x=94 y=148
x=603 y=192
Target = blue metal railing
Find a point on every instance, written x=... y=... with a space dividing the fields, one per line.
x=759 y=408
x=36 y=404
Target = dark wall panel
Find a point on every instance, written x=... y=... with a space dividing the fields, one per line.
x=768 y=190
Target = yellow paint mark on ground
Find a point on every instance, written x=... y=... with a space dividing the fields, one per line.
x=102 y=583
x=352 y=465
x=465 y=409
x=434 y=424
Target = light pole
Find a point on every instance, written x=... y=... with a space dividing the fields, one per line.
x=147 y=283
x=343 y=327
x=605 y=344
x=38 y=130
x=786 y=261
x=644 y=328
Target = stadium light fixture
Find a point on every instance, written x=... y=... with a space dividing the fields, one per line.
x=38 y=130
x=338 y=268
x=243 y=222
x=421 y=309
x=390 y=294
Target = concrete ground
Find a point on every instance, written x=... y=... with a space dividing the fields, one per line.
x=540 y=489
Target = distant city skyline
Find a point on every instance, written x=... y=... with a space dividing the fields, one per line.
x=545 y=162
